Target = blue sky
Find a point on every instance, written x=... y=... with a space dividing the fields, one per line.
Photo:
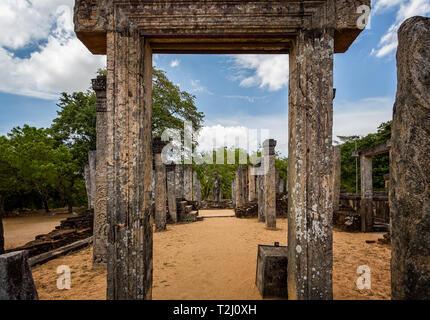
x=41 y=57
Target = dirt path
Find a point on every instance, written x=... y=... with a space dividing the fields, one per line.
x=216 y=259
x=20 y=230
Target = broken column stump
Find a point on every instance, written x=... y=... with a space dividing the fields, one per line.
x=272 y=264
x=410 y=165
x=16 y=279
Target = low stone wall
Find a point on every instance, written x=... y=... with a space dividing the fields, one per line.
x=222 y=204
x=381 y=209
x=250 y=209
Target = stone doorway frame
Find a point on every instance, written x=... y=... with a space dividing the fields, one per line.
x=129 y=32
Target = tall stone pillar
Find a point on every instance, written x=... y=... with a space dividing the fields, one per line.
x=160 y=216
x=188 y=183
x=366 y=207
x=336 y=177
x=179 y=170
x=410 y=165
x=277 y=180
x=90 y=178
x=239 y=186
x=233 y=192
x=281 y=186
x=260 y=194
x=129 y=165
x=197 y=193
x=101 y=227
x=244 y=186
x=171 y=191
x=252 y=192
x=216 y=188
x=269 y=183
x=310 y=165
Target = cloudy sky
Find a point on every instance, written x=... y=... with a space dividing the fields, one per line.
x=41 y=57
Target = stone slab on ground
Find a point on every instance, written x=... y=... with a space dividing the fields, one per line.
x=16 y=279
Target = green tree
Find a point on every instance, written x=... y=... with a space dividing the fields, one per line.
x=380 y=163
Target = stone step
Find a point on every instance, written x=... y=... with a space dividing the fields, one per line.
x=188 y=209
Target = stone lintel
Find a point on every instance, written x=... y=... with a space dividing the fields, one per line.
x=373 y=151
x=266 y=26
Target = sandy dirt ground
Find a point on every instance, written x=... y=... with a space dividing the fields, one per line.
x=216 y=259
x=20 y=230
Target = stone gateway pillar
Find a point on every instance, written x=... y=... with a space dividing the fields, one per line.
x=188 y=183
x=216 y=188
x=197 y=193
x=101 y=226
x=366 y=207
x=233 y=192
x=269 y=183
x=239 y=186
x=252 y=196
x=410 y=165
x=310 y=163
x=336 y=177
x=160 y=216
x=260 y=189
x=171 y=191
x=179 y=170
x=129 y=165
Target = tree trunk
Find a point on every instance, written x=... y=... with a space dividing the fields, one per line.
x=45 y=205
x=1 y=225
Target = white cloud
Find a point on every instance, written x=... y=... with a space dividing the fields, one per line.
x=197 y=87
x=361 y=117
x=405 y=9
x=62 y=63
x=350 y=118
x=268 y=71
x=234 y=131
x=175 y=63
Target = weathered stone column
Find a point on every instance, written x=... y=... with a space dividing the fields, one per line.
x=171 y=191
x=90 y=178
x=260 y=194
x=336 y=177
x=244 y=186
x=129 y=165
x=197 y=193
x=179 y=170
x=410 y=165
x=216 y=188
x=281 y=186
x=188 y=183
x=101 y=227
x=239 y=186
x=310 y=165
x=252 y=195
x=277 y=180
x=233 y=192
x=366 y=207
x=269 y=183
x=160 y=216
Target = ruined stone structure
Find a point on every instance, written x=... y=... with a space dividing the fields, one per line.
x=129 y=32
x=233 y=192
x=281 y=186
x=90 y=178
x=188 y=183
x=16 y=279
x=366 y=170
x=160 y=216
x=171 y=191
x=179 y=171
x=260 y=189
x=100 y=227
x=216 y=188
x=410 y=164
x=336 y=177
x=240 y=197
x=252 y=191
x=197 y=191
x=269 y=183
